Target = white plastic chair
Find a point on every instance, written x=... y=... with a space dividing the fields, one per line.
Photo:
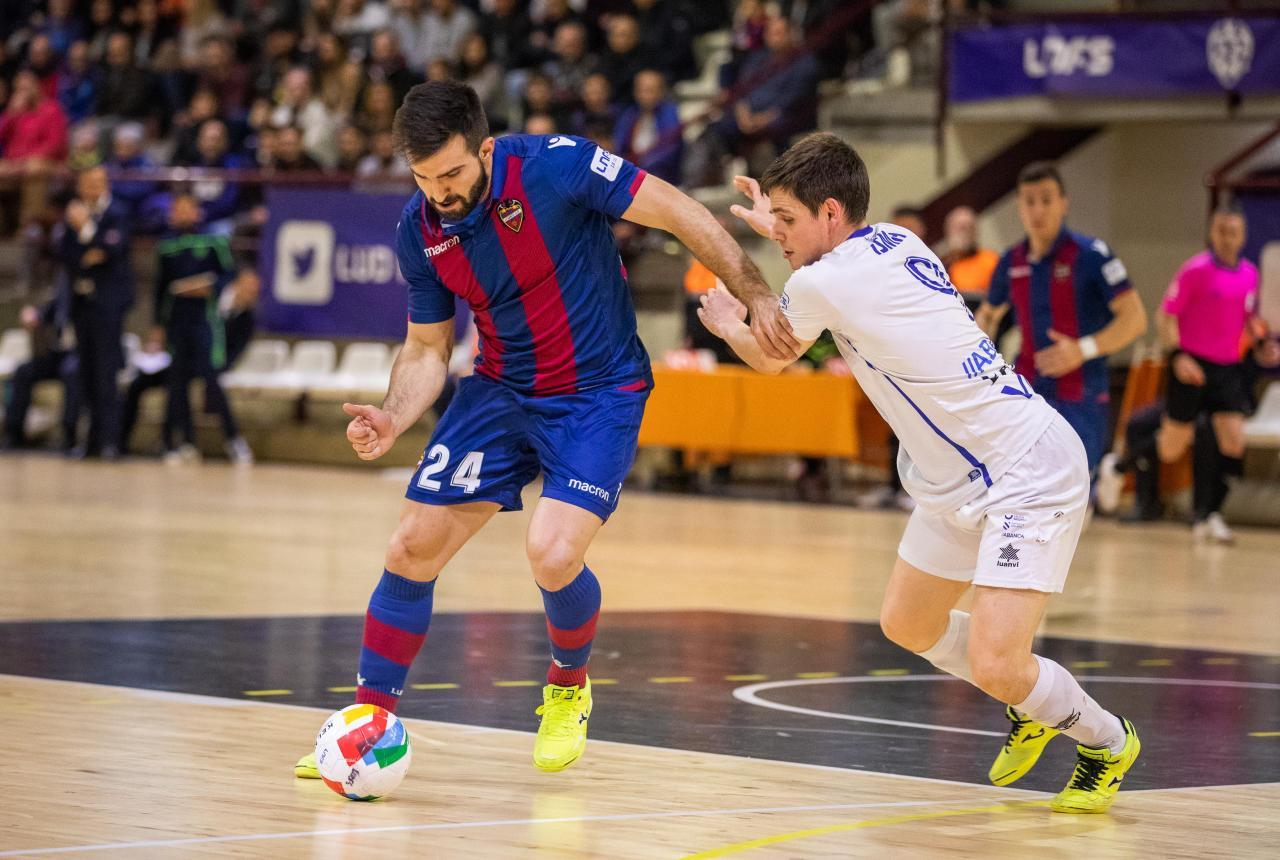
x=310 y=365
x=262 y=360
x=364 y=368
x=15 y=349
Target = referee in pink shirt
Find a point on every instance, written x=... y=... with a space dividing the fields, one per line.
x=1203 y=319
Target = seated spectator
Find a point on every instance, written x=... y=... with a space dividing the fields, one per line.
x=624 y=56
x=218 y=71
x=147 y=369
x=86 y=146
x=77 y=84
x=351 y=148
x=546 y=21
x=125 y=91
x=648 y=133
x=666 y=35
x=174 y=83
x=408 y=18
x=187 y=124
x=33 y=140
x=387 y=65
x=219 y=199
x=598 y=110
x=127 y=154
x=296 y=105
x=152 y=30
x=538 y=98
x=43 y=62
x=377 y=109
x=484 y=75
x=102 y=21
x=968 y=266
x=202 y=20
x=280 y=53
x=61 y=25
x=910 y=218
x=382 y=158
x=439 y=70
x=357 y=21
x=447 y=26
x=53 y=357
x=508 y=33
x=570 y=66
x=539 y=123
x=288 y=155
x=779 y=104
x=746 y=37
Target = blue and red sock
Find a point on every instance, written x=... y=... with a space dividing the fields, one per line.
x=394 y=629
x=571 y=623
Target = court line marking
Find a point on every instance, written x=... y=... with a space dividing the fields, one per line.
x=751 y=695
x=765 y=841
x=468 y=825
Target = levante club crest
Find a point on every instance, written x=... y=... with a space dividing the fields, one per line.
x=512 y=213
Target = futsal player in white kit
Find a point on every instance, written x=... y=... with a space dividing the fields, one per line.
x=999 y=477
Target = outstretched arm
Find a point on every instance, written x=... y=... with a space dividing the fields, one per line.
x=723 y=316
x=661 y=205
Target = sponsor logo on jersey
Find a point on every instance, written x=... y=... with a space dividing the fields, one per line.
x=1114 y=271
x=558 y=141
x=931 y=274
x=443 y=246
x=883 y=241
x=606 y=164
x=511 y=213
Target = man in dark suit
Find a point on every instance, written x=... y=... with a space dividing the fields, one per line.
x=94 y=249
x=53 y=357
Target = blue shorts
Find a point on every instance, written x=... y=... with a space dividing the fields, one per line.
x=1091 y=422
x=493 y=441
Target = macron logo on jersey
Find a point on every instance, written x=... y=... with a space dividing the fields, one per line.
x=443 y=246
x=606 y=164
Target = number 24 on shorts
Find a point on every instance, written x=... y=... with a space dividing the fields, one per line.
x=466 y=476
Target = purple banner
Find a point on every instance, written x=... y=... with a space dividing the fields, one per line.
x=328 y=264
x=1120 y=58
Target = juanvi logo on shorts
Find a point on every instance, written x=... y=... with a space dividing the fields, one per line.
x=304 y=263
x=1008 y=556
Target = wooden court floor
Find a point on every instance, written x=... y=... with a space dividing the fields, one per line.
x=131 y=766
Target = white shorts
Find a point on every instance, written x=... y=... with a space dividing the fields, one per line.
x=1020 y=533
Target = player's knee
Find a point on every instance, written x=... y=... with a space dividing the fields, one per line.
x=900 y=629
x=555 y=560
x=998 y=674
x=1172 y=443
x=412 y=554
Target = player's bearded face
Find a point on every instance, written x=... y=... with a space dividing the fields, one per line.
x=455 y=207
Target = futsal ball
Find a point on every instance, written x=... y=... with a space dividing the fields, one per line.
x=362 y=752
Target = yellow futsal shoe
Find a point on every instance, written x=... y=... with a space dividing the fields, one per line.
x=562 y=736
x=1027 y=739
x=1098 y=775
x=306 y=767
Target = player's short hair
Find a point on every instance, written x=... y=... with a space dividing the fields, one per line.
x=819 y=166
x=1230 y=209
x=432 y=113
x=1038 y=171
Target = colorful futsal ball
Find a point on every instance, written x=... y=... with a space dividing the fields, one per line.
x=362 y=752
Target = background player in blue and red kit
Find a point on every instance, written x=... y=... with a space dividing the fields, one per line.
x=1072 y=301
x=521 y=229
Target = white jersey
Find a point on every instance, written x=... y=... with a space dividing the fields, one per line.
x=961 y=412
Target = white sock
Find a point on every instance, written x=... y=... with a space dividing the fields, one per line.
x=951 y=652
x=1058 y=701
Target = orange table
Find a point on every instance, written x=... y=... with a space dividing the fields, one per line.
x=733 y=410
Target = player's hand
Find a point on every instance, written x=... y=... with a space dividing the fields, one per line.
x=720 y=311
x=1269 y=353
x=772 y=330
x=1188 y=370
x=1061 y=358
x=370 y=432
x=760 y=216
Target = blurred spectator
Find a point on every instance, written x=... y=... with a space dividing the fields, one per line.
x=539 y=123
x=539 y=98
x=148 y=368
x=238 y=308
x=297 y=106
x=382 y=158
x=288 y=154
x=905 y=33
x=61 y=26
x=666 y=34
x=483 y=74
x=508 y=32
x=910 y=218
x=545 y=23
x=357 y=21
x=648 y=133
x=174 y=83
x=746 y=37
x=127 y=154
x=219 y=199
x=125 y=91
x=33 y=139
x=351 y=148
x=439 y=70
x=152 y=30
x=387 y=65
x=447 y=25
x=279 y=54
x=203 y=22
x=598 y=110
x=192 y=271
x=624 y=57
x=377 y=109
x=219 y=71
x=408 y=18
x=968 y=266
x=102 y=21
x=53 y=356
x=779 y=105
x=203 y=107
x=570 y=66
x=42 y=60
x=93 y=246
x=86 y=146
x=77 y=84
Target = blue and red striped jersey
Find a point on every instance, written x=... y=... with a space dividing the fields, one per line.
x=538 y=265
x=1069 y=290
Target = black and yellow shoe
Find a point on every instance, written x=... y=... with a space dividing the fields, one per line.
x=1098 y=775
x=562 y=735
x=306 y=767
x=1021 y=751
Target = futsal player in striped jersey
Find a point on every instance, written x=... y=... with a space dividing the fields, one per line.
x=1000 y=479
x=521 y=229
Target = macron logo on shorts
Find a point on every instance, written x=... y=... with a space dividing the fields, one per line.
x=592 y=489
